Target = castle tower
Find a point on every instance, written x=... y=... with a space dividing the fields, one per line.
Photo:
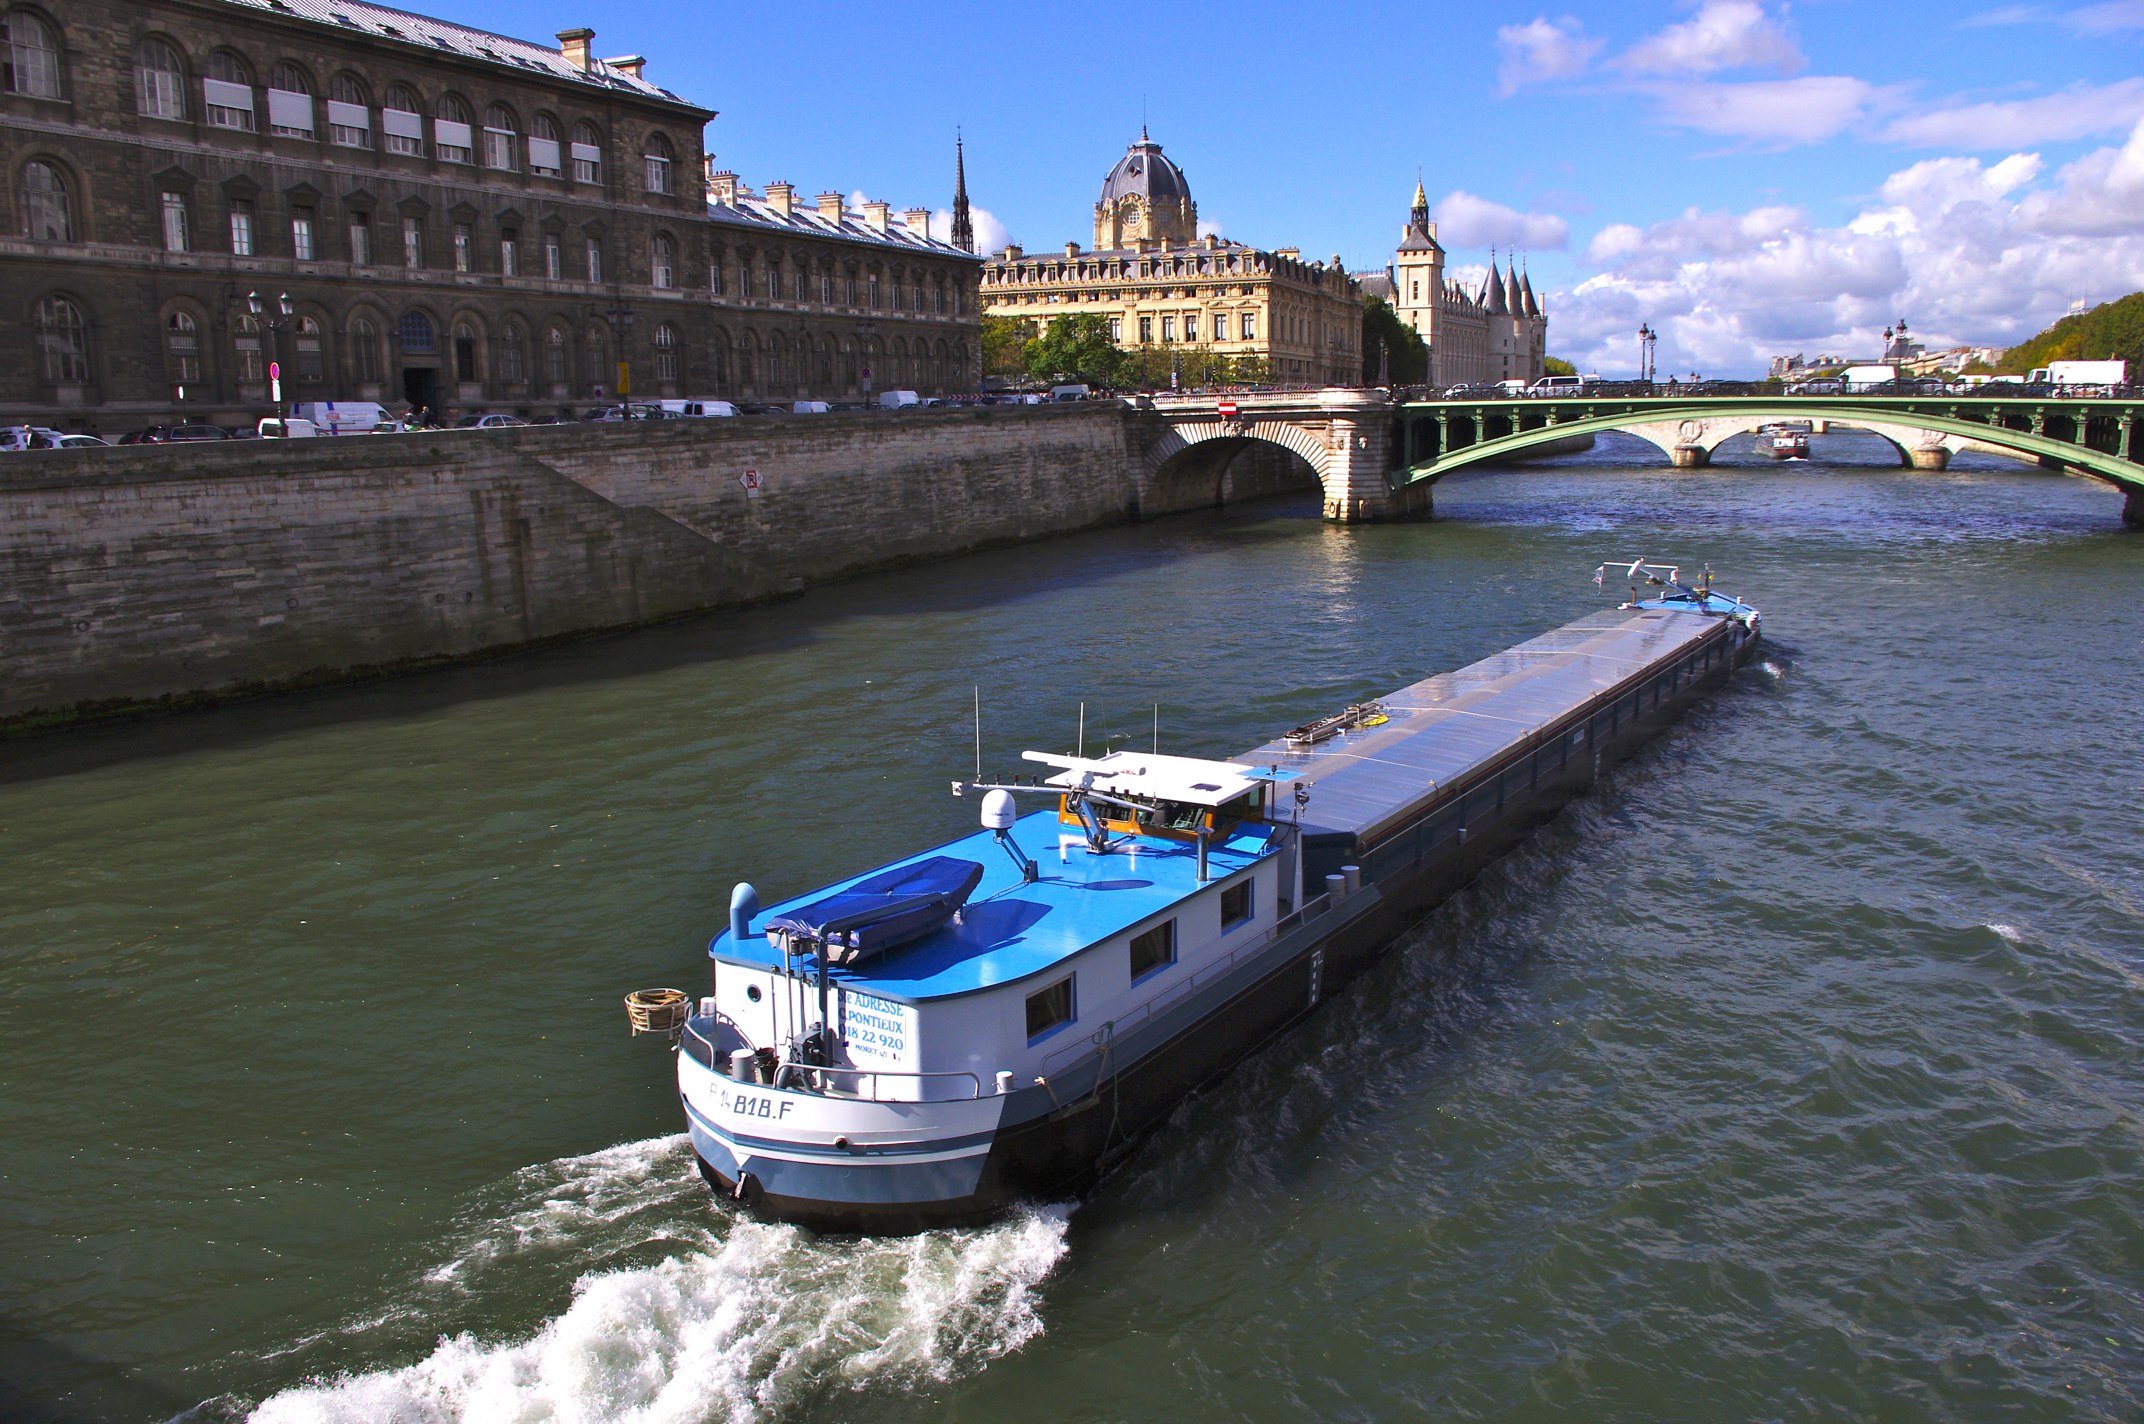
x=1418 y=271
x=963 y=228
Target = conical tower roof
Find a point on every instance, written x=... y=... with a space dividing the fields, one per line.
x=1493 y=291
x=1526 y=290
x=963 y=225
x=1514 y=299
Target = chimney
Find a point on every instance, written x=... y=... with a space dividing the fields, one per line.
x=830 y=207
x=1014 y=254
x=875 y=215
x=782 y=197
x=721 y=186
x=628 y=65
x=1071 y=249
x=918 y=221
x=573 y=44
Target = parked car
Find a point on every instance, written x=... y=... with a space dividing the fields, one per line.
x=702 y=409
x=898 y=400
x=293 y=428
x=179 y=433
x=761 y=408
x=809 y=407
x=30 y=437
x=82 y=442
x=488 y=422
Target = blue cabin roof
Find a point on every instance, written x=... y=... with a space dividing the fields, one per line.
x=1010 y=930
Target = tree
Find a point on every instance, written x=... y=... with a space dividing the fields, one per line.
x=1005 y=341
x=2109 y=331
x=1147 y=367
x=1406 y=356
x=1250 y=371
x=1076 y=348
x=1557 y=366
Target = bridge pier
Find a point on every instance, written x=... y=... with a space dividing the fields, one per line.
x=1689 y=457
x=1929 y=457
x=2133 y=506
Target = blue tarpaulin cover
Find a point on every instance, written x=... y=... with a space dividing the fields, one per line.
x=884 y=910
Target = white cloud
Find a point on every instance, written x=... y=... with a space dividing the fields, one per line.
x=1724 y=34
x=2107 y=19
x=2081 y=111
x=2007 y=15
x=1543 y=49
x=1464 y=220
x=1803 y=110
x=1969 y=251
x=990 y=234
x=1209 y=228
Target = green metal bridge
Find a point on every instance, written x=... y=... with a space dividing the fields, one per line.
x=2094 y=436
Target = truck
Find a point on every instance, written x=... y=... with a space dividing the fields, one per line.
x=1864 y=378
x=2081 y=373
x=346 y=417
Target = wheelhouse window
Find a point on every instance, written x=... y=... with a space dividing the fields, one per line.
x=1236 y=904
x=229 y=92
x=159 y=81
x=1153 y=949
x=32 y=57
x=47 y=213
x=349 y=118
x=1049 y=1009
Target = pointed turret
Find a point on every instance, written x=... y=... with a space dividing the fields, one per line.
x=1418 y=217
x=963 y=228
x=1493 y=290
x=1514 y=299
x=1526 y=290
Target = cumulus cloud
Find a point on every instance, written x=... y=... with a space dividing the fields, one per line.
x=990 y=234
x=1804 y=110
x=1969 y=251
x=1543 y=49
x=1464 y=220
x=1209 y=228
x=1723 y=34
x=2080 y=111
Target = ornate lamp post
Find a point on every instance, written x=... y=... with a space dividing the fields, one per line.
x=1646 y=338
x=865 y=331
x=276 y=321
x=619 y=318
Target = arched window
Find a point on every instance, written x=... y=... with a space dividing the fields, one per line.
x=246 y=344
x=587 y=154
x=402 y=120
x=744 y=358
x=415 y=334
x=718 y=360
x=159 y=81
x=660 y=159
x=365 y=351
x=349 y=113
x=514 y=356
x=554 y=356
x=47 y=213
x=777 y=362
x=826 y=365
x=464 y=352
x=30 y=60
x=229 y=91
x=500 y=138
x=63 y=342
x=182 y=349
x=663 y=263
x=543 y=147
x=598 y=357
x=290 y=102
x=453 y=133
x=666 y=354
x=311 y=365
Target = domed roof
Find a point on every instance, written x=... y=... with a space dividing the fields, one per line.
x=1143 y=173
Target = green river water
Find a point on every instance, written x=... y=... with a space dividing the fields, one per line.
x=1793 y=1074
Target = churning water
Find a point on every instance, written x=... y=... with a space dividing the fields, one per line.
x=1792 y=1074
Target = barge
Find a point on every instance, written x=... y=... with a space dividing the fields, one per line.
x=1003 y=1016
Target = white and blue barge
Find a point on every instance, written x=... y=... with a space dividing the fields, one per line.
x=1002 y=1016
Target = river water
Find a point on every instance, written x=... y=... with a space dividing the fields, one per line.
x=1794 y=1073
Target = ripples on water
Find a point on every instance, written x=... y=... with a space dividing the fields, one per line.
x=1793 y=1074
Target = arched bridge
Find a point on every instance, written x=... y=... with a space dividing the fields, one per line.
x=1380 y=460
x=2096 y=436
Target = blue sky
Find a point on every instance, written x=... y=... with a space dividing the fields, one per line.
x=1748 y=177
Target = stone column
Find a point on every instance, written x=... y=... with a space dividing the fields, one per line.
x=1357 y=455
x=1929 y=457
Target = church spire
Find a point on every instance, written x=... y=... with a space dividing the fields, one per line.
x=1418 y=218
x=963 y=227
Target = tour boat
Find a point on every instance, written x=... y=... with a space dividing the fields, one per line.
x=1003 y=1016
x=1787 y=440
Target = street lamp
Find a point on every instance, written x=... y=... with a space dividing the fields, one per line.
x=865 y=331
x=276 y=322
x=1646 y=339
x=620 y=321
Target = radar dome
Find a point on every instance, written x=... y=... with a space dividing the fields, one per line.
x=998 y=811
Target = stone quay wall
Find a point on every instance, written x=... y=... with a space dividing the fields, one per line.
x=140 y=575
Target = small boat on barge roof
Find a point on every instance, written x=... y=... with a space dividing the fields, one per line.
x=1005 y=1015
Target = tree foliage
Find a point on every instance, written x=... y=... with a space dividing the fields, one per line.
x=1557 y=366
x=2110 y=331
x=1076 y=348
x=1005 y=341
x=1405 y=354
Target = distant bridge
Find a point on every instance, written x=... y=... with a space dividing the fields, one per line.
x=1377 y=460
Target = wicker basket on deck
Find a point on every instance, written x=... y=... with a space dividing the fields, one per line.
x=658 y=1010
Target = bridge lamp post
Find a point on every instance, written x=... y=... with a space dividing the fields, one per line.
x=1646 y=337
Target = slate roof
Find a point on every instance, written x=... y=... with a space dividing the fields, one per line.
x=443 y=36
x=753 y=211
x=1144 y=172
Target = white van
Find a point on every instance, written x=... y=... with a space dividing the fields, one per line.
x=898 y=400
x=1512 y=388
x=1557 y=386
x=1070 y=393
x=697 y=409
x=295 y=428
x=810 y=408
x=347 y=417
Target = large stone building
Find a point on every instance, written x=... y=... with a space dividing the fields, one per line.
x=1162 y=286
x=1495 y=333
x=453 y=219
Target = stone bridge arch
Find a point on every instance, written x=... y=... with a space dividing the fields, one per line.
x=1189 y=457
x=1691 y=441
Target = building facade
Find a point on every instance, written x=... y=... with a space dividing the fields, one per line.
x=1164 y=287
x=1494 y=333
x=383 y=207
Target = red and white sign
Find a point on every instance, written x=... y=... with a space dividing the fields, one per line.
x=750 y=480
x=1228 y=408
